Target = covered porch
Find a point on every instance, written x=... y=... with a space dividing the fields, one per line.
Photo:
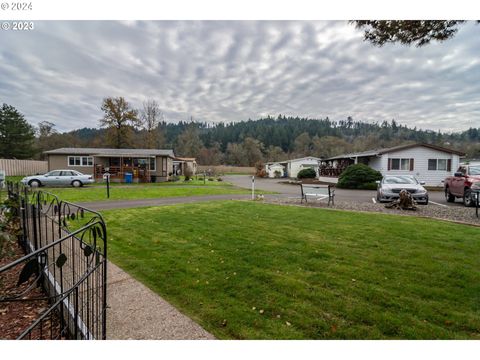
x=334 y=166
x=142 y=168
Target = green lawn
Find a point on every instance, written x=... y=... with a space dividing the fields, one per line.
x=195 y=182
x=247 y=270
x=14 y=179
x=87 y=194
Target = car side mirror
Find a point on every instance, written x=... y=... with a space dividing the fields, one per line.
x=458 y=174
x=422 y=182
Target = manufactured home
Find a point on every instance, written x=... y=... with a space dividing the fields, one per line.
x=429 y=163
x=144 y=165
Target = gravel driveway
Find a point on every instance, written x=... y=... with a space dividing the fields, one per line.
x=458 y=213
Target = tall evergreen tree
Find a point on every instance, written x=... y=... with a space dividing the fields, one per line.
x=16 y=134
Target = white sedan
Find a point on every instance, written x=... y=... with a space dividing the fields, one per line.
x=58 y=178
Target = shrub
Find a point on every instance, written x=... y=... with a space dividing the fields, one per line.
x=259 y=169
x=188 y=173
x=277 y=173
x=359 y=176
x=308 y=173
x=262 y=173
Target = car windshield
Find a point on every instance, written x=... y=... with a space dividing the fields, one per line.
x=475 y=170
x=399 y=180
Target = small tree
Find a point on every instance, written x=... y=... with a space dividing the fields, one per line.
x=359 y=176
x=259 y=167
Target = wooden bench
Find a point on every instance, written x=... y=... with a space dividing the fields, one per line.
x=320 y=192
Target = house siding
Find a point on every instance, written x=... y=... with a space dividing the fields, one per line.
x=164 y=166
x=58 y=162
x=376 y=163
x=420 y=170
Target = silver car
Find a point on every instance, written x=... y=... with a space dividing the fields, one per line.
x=58 y=178
x=389 y=188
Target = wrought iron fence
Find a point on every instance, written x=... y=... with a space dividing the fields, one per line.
x=67 y=257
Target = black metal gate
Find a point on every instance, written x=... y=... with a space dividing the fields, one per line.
x=67 y=256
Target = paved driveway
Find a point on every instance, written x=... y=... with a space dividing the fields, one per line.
x=288 y=190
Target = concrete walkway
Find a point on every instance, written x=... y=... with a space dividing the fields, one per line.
x=136 y=312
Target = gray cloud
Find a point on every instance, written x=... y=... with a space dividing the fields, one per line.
x=231 y=71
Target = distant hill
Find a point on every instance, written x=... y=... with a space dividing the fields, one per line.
x=292 y=136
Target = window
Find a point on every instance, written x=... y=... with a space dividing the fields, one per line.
x=395 y=164
x=80 y=161
x=442 y=164
x=405 y=164
x=153 y=166
x=474 y=170
x=439 y=164
x=401 y=164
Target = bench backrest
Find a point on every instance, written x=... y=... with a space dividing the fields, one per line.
x=315 y=189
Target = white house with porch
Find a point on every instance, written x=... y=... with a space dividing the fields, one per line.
x=429 y=163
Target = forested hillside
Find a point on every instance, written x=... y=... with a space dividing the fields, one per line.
x=272 y=139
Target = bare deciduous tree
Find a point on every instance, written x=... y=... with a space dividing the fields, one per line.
x=151 y=116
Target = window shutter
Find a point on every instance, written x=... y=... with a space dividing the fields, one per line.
x=449 y=165
x=411 y=165
x=389 y=164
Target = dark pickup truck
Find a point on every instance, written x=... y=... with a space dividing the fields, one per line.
x=460 y=184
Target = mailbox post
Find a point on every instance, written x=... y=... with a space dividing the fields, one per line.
x=253 y=187
x=106 y=177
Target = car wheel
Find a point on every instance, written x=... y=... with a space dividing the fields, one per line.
x=76 y=183
x=34 y=183
x=448 y=196
x=467 y=198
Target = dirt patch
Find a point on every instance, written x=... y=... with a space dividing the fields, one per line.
x=16 y=316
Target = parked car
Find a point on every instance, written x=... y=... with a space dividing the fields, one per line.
x=58 y=178
x=460 y=184
x=390 y=186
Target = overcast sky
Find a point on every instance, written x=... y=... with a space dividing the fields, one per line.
x=231 y=71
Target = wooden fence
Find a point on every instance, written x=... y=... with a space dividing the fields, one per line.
x=13 y=167
x=225 y=169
